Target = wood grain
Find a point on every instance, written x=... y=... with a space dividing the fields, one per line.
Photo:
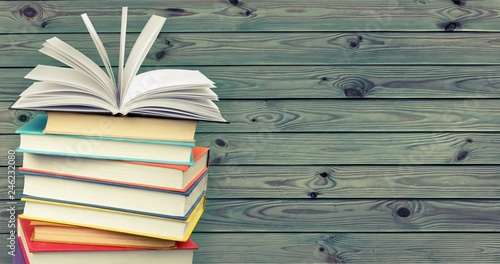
x=327 y=115
x=253 y=16
x=350 y=215
x=282 y=182
x=347 y=248
x=340 y=248
x=301 y=82
x=351 y=148
x=308 y=48
x=338 y=148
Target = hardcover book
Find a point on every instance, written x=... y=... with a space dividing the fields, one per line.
x=135 y=199
x=50 y=253
x=171 y=177
x=113 y=220
x=33 y=140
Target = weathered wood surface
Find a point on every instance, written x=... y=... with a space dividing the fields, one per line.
x=277 y=48
x=284 y=182
x=343 y=148
x=335 y=116
x=352 y=148
x=336 y=215
x=349 y=215
x=340 y=248
x=346 y=248
x=338 y=148
x=300 y=82
x=255 y=15
x=358 y=181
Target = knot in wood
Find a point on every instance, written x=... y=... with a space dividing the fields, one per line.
x=451 y=27
x=354 y=87
x=30 y=12
x=313 y=195
x=221 y=143
x=458 y=2
x=23 y=118
x=234 y=2
x=462 y=155
x=323 y=174
x=403 y=211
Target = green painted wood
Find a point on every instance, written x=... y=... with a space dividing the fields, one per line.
x=338 y=148
x=340 y=248
x=335 y=215
x=11 y=183
x=351 y=148
x=284 y=182
x=299 y=82
x=335 y=116
x=256 y=15
x=281 y=182
x=349 y=215
x=348 y=248
x=183 y=49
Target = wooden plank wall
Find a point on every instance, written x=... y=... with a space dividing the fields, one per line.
x=362 y=131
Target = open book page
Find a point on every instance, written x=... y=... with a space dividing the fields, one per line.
x=70 y=56
x=195 y=109
x=101 y=50
x=153 y=82
x=69 y=77
x=121 y=55
x=48 y=96
x=139 y=51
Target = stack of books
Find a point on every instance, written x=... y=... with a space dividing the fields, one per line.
x=112 y=172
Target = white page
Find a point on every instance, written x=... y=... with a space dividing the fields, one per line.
x=140 y=49
x=67 y=76
x=70 y=56
x=121 y=58
x=164 y=78
x=100 y=49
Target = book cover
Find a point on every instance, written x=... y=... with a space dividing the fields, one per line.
x=34 y=141
x=112 y=220
x=176 y=178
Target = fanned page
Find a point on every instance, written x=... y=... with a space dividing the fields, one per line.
x=121 y=55
x=70 y=56
x=164 y=80
x=141 y=47
x=100 y=48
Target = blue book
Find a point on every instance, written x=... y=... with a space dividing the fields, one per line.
x=33 y=140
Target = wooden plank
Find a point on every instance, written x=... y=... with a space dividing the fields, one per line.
x=256 y=15
x=350 y=215
x=11 y=183
x=245 y=82
x=336 y=215
x=282 y=182
x=307 y=48
x=351 y=148
x=347 y=248
x=338 y=148
x=335 y=116
x=339 y=248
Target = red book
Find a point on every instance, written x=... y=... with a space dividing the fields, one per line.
x=50 y=253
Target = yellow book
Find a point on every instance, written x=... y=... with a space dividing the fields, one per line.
x=112 y=220
x=120 y=126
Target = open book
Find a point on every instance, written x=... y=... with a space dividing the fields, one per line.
x=86 y=87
